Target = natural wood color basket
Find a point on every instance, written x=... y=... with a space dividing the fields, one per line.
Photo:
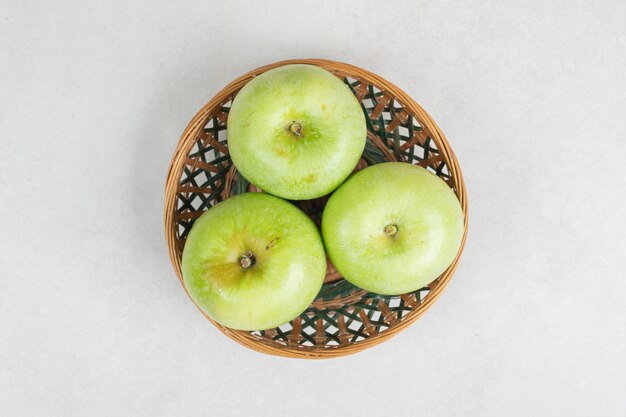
x=343 y=319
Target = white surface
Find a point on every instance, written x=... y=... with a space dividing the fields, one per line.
x=93 y=98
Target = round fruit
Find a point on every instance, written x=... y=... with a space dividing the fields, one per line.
x=253 y=262
x=296 y=131
x=392 y=228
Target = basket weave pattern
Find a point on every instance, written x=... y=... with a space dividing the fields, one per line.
x=343 y=319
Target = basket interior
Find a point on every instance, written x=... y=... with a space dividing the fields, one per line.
x=342 y=313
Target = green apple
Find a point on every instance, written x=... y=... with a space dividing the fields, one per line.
x=253 y=262
x=392 y=228
x=296 y=131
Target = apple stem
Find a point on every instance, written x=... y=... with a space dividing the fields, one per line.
x=391 y=230
x=295 y=128
x=247 y=260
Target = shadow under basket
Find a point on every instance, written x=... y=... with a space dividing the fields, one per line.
x=343 y=319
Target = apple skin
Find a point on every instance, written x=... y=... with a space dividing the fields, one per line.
x=427 y=216
x=300 y=166
x=287 y=274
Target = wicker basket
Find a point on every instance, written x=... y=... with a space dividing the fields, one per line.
x=343 y=319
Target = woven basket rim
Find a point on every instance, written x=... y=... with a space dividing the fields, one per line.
x=177 y=164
